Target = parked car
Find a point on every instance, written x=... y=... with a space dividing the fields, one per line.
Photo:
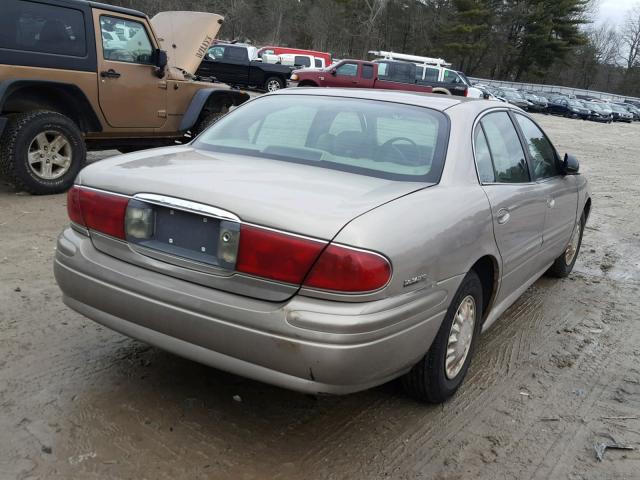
x=78 y=76
x=635 y=111
x=388 y=75
x=238 y=65
x=538 y=104
x=290 y=242
x=433 y=72
x=568 y=108
x=515 y=98
x=597 y=113
x=321 y=59
x=295 y=60
x=621 y=114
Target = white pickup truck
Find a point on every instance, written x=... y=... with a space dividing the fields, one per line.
x=434 y=72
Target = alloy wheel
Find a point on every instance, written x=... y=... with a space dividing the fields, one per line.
x=50 y=155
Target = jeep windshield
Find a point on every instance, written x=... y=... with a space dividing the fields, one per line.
x=368 y=137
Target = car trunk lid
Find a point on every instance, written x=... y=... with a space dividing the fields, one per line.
x=303 y=200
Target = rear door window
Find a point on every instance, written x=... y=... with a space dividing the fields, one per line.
x=486 y=171
x=235 y=53
x=367 y=71
x=347 y=70
x=37 y=27
x=509 y=160
x=301 y=61
x=431 y=74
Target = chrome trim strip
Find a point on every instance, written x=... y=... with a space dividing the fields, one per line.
x=82 y=187
x=284 y=232
x=187 y=206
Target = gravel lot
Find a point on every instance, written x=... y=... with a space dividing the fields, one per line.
x=558 y=371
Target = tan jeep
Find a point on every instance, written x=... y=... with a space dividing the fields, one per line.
x=77 y=75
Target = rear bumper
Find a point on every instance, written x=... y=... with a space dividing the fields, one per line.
x=304 y=344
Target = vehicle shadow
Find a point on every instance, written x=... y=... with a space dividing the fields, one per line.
x=178 y=414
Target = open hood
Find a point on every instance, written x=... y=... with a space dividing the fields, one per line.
x=186 y=36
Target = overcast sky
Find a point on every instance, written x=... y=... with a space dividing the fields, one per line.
x=614 y=10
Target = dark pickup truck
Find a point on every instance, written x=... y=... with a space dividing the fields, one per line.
x=390 y=75
x=237 y=65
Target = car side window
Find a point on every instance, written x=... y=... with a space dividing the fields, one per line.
x=36 y=27
x=545 y=164
x=383 y=69
x=217 y=52
x=347 y=70
x=367 y=71
x=235 y=53
x=452 y=77
x=483 y=157
x=431 y=74
x=131 y=46
x=506 y=151
x=318 y=62
x=302 y=61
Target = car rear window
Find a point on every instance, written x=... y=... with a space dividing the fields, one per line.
x=37 y=27
x=368 y=137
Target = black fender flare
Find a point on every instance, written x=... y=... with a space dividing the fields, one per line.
x=206 y=96
x=71 y=96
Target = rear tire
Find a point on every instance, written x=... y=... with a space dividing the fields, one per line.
x=273 y=84
x=41 y=152
x=433 y=379
x=563 y=265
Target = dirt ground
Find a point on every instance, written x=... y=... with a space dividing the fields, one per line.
x=558 y=373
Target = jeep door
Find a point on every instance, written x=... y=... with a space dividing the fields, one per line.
x=130 y=94
x=518 y=209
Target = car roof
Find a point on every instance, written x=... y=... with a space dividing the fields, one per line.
x=104 y=6
x=430 y=100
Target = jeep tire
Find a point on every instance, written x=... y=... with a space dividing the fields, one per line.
x=207 y=119
x=41 y=152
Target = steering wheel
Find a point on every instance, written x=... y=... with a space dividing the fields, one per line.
x=391 y=145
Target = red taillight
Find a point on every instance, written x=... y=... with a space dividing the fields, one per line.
x=345 y=269
x=99 y=211
x=274 y=255
x=73 y=206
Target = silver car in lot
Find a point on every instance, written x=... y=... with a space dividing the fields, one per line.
x=326 y=240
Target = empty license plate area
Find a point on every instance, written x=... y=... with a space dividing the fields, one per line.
x=185 y=234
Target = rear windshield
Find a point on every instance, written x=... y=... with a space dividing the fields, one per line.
x=368 y=137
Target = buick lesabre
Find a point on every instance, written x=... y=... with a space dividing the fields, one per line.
x=326 y=240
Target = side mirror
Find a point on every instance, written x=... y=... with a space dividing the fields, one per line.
x=333 y=72
x=161 y=59
x=160 y=62
x=571 y=165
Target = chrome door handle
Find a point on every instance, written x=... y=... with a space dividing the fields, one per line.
x=503 y=216
x=551 y=202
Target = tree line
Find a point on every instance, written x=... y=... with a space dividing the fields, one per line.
x=543 y=41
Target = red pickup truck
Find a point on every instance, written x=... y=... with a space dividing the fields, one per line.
x=387 y=74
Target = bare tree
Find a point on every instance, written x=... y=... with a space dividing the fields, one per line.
x=631 y=37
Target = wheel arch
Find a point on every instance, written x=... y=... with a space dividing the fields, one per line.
x=23 y=95
x=587 y=209
x=307 y=83
x=440 y=90
x=210 y=100
x=487 y=269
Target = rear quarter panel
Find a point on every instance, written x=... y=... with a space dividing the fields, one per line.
x=435 y=234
